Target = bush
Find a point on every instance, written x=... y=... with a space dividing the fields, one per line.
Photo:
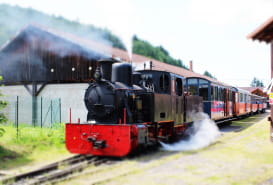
x=3 y=118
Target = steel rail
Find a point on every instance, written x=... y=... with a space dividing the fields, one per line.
x=54 y=171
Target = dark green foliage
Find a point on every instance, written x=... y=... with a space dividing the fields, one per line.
x=142 y=47
x=3 y=118
x=32 y=145
x=14 y=18
x=206 y=73
x=256 y=83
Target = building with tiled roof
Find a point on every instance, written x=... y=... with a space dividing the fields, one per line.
x=265 y=33
x=46 y=55
x=43 y=62
x=255 y=90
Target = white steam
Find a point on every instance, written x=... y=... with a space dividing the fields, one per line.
x=119 y=17
x=202 y=134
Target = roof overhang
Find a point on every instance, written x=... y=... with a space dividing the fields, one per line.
x=264 y=32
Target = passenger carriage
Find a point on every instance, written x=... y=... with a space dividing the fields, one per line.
x=217 y=98
x=242 y=101
x=255 y=104
x=262 y=105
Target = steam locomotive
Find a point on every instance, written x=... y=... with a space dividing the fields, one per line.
x=128 y=111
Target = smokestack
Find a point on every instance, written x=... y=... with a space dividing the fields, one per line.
x=191 y=65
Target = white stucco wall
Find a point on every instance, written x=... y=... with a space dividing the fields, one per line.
x=71 y=96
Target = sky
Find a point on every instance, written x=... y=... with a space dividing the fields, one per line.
x=212 y=33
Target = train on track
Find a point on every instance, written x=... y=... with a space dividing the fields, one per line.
x=129 y=110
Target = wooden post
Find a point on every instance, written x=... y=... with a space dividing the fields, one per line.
x=34 y=105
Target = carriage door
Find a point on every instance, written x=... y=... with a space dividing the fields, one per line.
x=234 y=100
x=231 y=103
x=226 y=98
x=178 y=100
x=204 y=92
x=173 y=99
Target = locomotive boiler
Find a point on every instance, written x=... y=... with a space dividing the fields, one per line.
x=130 y=110
x=113 y=98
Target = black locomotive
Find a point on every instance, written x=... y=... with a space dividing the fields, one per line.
x=127 y=110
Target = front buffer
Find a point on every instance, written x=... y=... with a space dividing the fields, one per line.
x=102 y=140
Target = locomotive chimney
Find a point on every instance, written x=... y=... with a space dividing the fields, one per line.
x=106 y=68
x=191 y=65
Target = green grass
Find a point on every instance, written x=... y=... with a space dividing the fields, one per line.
x=33 y=145
x=247 y=154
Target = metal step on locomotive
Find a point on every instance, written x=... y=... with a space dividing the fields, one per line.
x=127 y=111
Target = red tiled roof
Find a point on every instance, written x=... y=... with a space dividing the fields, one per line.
x=264 y=32
x=158 y=65
x=250 y=89
x=114 y=52
x=255 y=90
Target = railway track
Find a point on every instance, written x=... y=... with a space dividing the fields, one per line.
x=54 y=172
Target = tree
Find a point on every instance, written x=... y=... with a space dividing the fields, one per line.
x=256 y=83
x=159 y=53
x=206 y=73
x=14 y=18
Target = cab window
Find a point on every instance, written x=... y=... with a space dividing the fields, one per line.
x=164 y=83
x=178 y=87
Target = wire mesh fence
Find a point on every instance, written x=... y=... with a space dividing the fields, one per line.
x=35 y=111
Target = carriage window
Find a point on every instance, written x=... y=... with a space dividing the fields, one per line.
x=164 y=83
x=178 y=86
x=192 y=81
x=230 y=95
x=252 y=99
x=241 y=97
x=223 y=94
x=216 y=93
x=220 y=94
x=203 y=91
x=201 y=81
x=212 y=93
x=193 y=89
